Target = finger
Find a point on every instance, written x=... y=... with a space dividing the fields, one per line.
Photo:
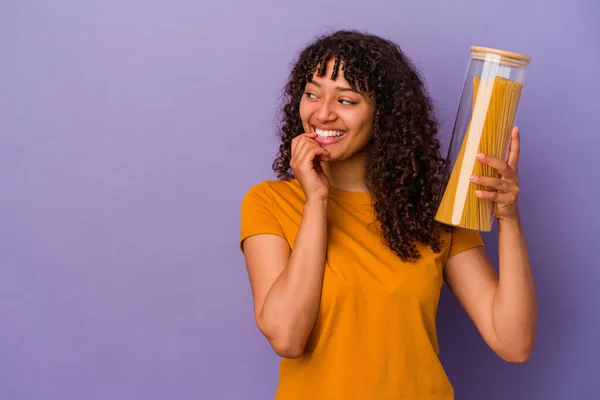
x=305 y=145
x=500 y=165
x=499 y=198
x=294 y=146
x=298 y=140
x=301 y=141
x=316 y=150
x=299 y=148
x=321 y=157
x=311 y=153
x=514 y=149
x=494 y=183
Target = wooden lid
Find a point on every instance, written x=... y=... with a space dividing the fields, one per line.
x=521 y=59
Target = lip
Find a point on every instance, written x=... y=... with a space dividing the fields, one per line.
x=323 y=141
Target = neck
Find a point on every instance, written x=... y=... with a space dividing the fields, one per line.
x=348 y=175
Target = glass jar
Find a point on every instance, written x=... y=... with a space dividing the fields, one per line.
x=483 y=124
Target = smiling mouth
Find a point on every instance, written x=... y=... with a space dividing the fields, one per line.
x=328 y=134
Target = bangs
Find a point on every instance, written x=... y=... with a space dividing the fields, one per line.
x=354 y=75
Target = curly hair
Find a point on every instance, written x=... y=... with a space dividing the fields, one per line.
x=404 y=165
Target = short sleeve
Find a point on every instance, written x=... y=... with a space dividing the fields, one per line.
x=257 y=214
x=463 y=239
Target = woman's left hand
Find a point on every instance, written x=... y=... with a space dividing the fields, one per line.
x=506 y=195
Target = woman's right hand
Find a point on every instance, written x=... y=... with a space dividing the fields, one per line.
x=307 y=155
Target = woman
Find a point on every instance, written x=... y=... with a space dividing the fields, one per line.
x=345 y=259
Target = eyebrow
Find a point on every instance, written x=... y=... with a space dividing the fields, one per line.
x=338 y=88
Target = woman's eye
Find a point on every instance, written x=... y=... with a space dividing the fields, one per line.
x=347 y=102
x=310 y=95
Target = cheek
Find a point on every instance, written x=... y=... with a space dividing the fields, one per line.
x=367 y=123
x=304 y=110
x=362 y=124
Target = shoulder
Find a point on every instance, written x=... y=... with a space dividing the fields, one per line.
x=460 y=233
x=268 y=190
x=273 y=186
x=462 y=239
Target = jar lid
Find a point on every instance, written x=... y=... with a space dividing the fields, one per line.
x=514 y=59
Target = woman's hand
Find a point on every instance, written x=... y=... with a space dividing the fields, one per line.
x=306 y=159
x=506 y=196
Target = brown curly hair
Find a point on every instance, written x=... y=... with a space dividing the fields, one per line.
x=404 y=164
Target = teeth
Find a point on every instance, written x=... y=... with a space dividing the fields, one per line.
x=329 y=134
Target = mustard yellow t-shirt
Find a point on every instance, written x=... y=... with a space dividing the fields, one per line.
x=375 y=336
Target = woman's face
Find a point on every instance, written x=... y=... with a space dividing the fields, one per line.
x=341 y=116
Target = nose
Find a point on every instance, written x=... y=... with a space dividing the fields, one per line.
x=325 y=113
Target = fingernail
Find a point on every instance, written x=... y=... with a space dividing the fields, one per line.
x=478 y=192
x=474 y=177
x=480 y=156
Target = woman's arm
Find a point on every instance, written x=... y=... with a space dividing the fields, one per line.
x=504 y=308
x=286 y=285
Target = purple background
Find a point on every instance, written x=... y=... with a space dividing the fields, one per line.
x=130 y=130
